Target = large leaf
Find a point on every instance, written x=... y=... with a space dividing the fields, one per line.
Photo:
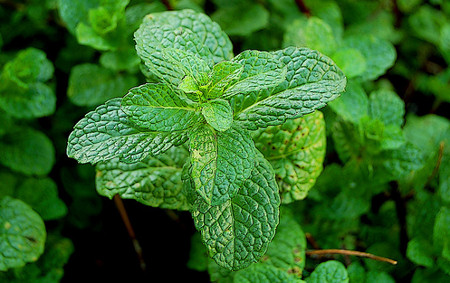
x=107 y=132
x=221 y=162
x=27 y=151
x=296 y=151
x=213 y=43
x=155 y=181
x=312 y=80
x=157 y=107
x=237 y=233
x=22 y=234
x=91 y=85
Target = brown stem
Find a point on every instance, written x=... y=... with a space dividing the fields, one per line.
x=303 y=8
x=347 y=252
x=167 y=4
x=312 y=241
x=126 y=220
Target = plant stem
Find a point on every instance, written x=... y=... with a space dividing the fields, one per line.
x=167 y=4
x=400 y=208
x=353 y=253
x=303 y=8
x=126 y=220
x=438 y=163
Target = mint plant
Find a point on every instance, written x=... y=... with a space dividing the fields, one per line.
x=205 y=102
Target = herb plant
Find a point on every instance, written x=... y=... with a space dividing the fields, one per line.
x=250 y=141
x=209 y=99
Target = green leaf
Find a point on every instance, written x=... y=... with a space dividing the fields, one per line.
x=386 y=106
x=330 y=271
x=29 y=66
x=38 y=100
x=296 y=151
x=420 y=252
x=312 y=80
x=400 y=162
x=441 y=231
x=74 y=12
x=380 y=54
x=356 y=273
x=314 y=33
x=198 y=257
x=27 y=151
x=91 y=85
x=263 y=273
x=287 y=250
x=353 y=104
x=237 y=233
x=379 y=277
x=154 y=181
x=426 y=23
x=203 y=34
x=157 y=107
x=22 y=234
x=42 y=196
x=107 y=132
x=86 y=35
x=221 y=162
x=218 y=114
x=261 y=70
x=351 y=61
x=241 y=18
x=222 y=76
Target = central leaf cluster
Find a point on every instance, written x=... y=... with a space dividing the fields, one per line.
x=203 y=95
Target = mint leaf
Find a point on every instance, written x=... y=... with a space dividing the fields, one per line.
x=91 y=85
x=296 y=151
x=107 y=132
x=241 y=18
x=221 y=162
x=380 y=54
x=441 y=230
x=261 y=70
x=351 y=61
x=331 y=271
x=209 y=40
x=222 y=76
x=243 y=226
x=22 y=234
x=218 y=114
x=42 y=196
x=157 y=107
x=38 y=100
x=386 y=106
x=154 y=181
x=312 y=80
x=420 y=252
x=74 y=12
x=353 y=104
x=264 y=273
x=27 y=151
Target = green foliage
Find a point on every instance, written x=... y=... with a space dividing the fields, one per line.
x=212 y=103
x=209 y=109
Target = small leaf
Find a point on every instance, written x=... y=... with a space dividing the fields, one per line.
x=222 y=76
x=237 y=232
x=154 y=181
x=91 y=85
x=42 y=196
x=312 y=80
x=27 y=151
x=22 y=234
x=387 y=107
x=261 y=70
x=157 y=107
x=331 y=271
x=351 y=61
x=218 y=114
x=353 y=104
x=107 y=132
x=420 y=252
x=221 y=162
x=241 y=18
x=296 y=151
x=263 y=273
x=380 y=54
